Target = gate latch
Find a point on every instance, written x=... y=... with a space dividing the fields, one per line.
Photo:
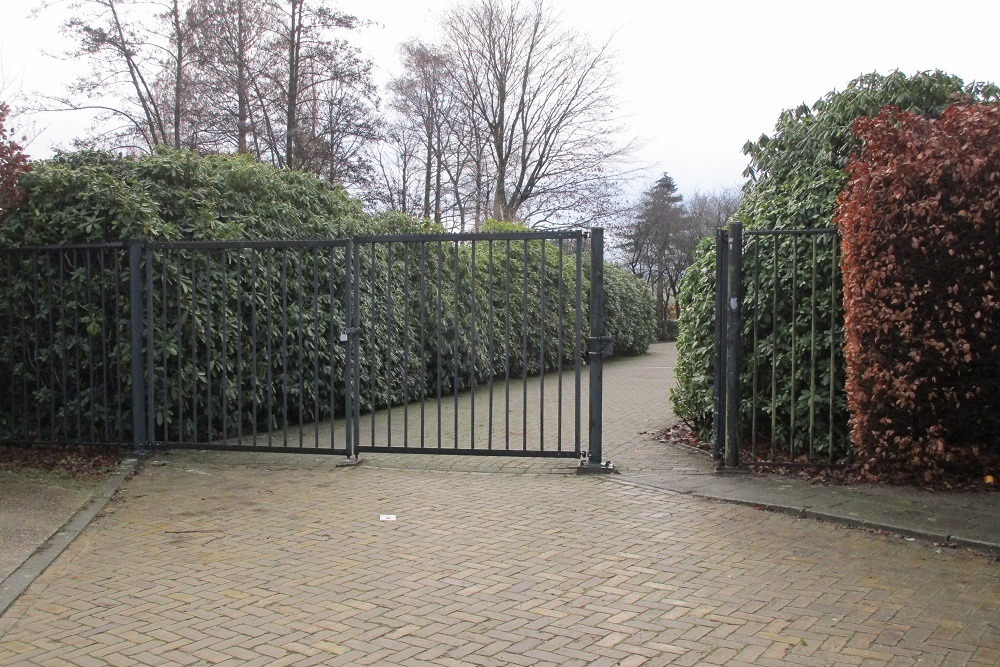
x=349 y=331
x=602 y=346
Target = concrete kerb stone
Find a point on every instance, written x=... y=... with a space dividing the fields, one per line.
x=18 y=581
x=853 y=522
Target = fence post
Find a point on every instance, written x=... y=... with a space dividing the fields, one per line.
x=135 y=283
x=734 y=329
x=349 y=337
x=599 y=346
x=719 y=377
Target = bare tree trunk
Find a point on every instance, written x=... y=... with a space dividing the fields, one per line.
x=661 y=310
x=292 y=96
x=178 y=70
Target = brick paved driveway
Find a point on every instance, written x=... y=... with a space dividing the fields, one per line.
x=269 y=560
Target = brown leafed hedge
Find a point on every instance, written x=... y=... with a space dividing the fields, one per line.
x=920 y=219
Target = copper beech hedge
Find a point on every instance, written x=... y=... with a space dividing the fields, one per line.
x=920 y=219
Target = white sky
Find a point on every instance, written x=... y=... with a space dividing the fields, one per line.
x=698 y=78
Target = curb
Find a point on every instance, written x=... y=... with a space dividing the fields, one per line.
x=18 y=581
x=852 y=522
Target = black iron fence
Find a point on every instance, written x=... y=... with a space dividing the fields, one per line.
x=283 y=345
x=242 y=343
x=779 y=395
x=64 y=344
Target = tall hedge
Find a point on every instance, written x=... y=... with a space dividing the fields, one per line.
x=795 y=175
x=920 y=218
x=629 y=312
x=201 y=301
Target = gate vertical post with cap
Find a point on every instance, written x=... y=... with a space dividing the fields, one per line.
x=599 y=346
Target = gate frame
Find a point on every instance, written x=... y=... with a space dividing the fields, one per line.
x=729 y=293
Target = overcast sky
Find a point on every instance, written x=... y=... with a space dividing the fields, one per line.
x=698 y=78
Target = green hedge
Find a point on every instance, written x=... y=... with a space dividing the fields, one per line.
x=795 y=176
x=629 y=312
x=172 y=196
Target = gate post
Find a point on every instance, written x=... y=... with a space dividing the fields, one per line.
x=350 y=338
x=135 y=281
x=598 y=347
x=719 y=378
x=734 y=330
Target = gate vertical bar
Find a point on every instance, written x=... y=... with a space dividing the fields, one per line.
x=135 y=280
x=595 y=454
x=355 y=282
x=719 y=377
x=351 y=388
x=734 y=326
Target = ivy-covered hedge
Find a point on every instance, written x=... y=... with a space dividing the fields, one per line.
x=201 y=302
x=920 y=218
x=795 y=175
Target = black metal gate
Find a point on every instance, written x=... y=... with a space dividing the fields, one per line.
x=466 y=339
x=439 y=343
x=778 y=396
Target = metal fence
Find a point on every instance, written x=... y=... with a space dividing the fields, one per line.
x=469 y=344
x=64 y=344
x=778 y=385
x=242 y=344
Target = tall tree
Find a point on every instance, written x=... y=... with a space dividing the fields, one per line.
x=657 y=241
x=232 y=57
x=272 y=78
x=517 y=115
x=136 y=81
x=543 y=93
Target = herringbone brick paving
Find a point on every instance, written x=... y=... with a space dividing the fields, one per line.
x=214 y=559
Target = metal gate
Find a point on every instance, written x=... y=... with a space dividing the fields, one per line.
x=472 y=343
x=778 y=396
x=438 y=343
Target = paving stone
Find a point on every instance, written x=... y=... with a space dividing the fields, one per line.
x=280 y=560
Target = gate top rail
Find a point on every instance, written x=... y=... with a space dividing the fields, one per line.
x=790 y=232
x=249 y=245
x=110 y=245
x=472 y=236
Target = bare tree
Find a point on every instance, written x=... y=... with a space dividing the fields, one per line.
x=232 y=56
x=137 y=71
x=327 y=97
x=543 y=93
x=516 y=114
x=272 y=78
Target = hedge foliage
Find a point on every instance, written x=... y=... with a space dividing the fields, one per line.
x=920 y=219
x=795 y=175
x=204 y=302
x=629 y=312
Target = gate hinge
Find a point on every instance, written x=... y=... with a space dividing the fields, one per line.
x=603 y=346
x=349 y=331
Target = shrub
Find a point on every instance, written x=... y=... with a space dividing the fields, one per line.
x=629 y=312
x=919 y=217
x=95 y=197
x=202 y=300
x=794 y=178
